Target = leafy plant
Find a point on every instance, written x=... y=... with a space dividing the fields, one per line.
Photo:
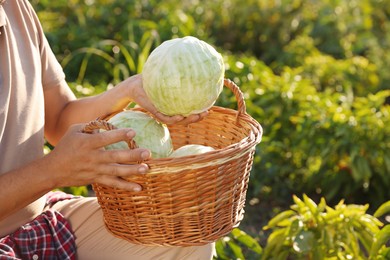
x=327 y=143
x=238 y=245
x=353 y=76
x=380 y=248
x=316 y=231
x=116 y=60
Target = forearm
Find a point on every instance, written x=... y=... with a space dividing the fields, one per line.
x=88 y=108
x=22 y=186
x=85 y=109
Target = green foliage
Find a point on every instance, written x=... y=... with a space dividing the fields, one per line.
x=238 y=245
x=341 y=29
x=355 y=76
x=317 y=231
x=119 y=59
x=109 y=33
x=331 y=143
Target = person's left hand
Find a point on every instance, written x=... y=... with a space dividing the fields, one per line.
x=139 y=96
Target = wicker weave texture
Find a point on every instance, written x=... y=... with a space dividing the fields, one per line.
x=191 y=200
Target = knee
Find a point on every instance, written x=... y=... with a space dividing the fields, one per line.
x=205 y=252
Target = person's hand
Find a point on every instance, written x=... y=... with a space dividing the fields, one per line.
x=79 y=159
x=138 y=95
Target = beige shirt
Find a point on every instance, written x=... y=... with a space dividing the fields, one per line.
x=27 y=67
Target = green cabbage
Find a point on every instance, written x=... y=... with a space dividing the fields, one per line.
x=150 y=134
x=183 y=76
x=191 y=149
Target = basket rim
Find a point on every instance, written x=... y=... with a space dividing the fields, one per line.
x=243 y=145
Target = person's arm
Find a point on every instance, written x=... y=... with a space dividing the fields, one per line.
x=77 y=160
x=63 y=109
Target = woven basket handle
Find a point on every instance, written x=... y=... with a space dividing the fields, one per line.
x=92 y=126
x=241 y=107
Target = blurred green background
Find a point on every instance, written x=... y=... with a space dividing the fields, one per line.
x=315 y=74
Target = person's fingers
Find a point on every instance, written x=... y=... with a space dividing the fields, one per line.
x=180 y=120
x=114 y=175
x=122 y=170
x=190 y=119
x=112 y=136
x=125 y=156
x=119 y=183
x=169 y=120
x=76 y=128
x=204 y=114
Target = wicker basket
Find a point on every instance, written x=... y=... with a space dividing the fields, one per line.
x=191 y=200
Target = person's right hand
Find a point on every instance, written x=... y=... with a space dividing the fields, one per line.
x=137 y=94
x=79 y=159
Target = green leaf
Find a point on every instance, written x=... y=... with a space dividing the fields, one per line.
x=220 y=249
x=310 y=204
x=278 y=218
x=129 y=59
x=322 y=205
x=327 y=237
x=295 y=227
x=146 y=44
x=304 y=242
x=299 y=202
x=236 y=250
x=247 y=240
x=365 y=235
x=380 y=239
x=366 y=238
x=383 y=209
x=274 y=242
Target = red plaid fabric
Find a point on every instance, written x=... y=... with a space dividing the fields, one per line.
x=49 y=236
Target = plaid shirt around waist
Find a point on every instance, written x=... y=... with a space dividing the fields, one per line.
x=49 y=236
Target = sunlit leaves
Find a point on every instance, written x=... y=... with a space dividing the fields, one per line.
x=318 y=231
x=238 y=245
